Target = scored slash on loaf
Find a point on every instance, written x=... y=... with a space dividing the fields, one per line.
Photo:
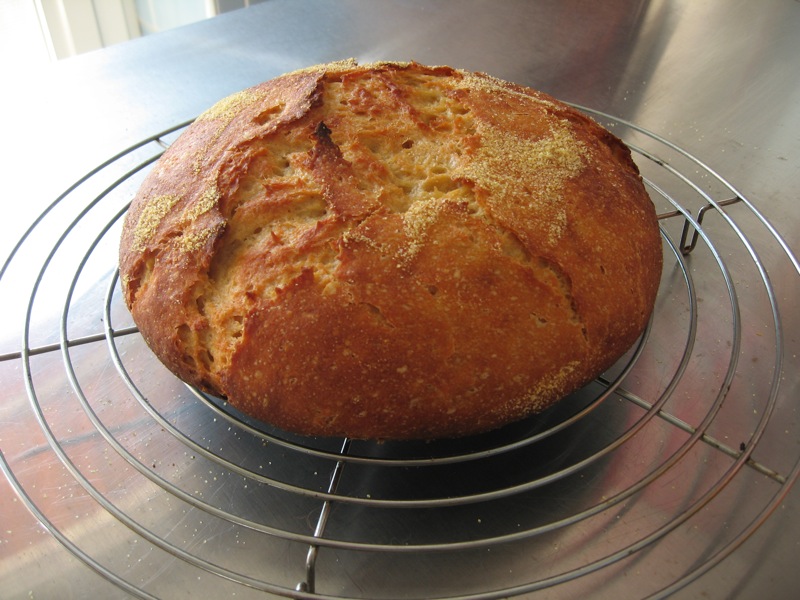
x=391 y=251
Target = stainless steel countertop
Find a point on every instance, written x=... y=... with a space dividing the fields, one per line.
x=720 y=79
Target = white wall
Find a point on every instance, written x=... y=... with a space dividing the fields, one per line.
x=23 y=45
x=38 y=31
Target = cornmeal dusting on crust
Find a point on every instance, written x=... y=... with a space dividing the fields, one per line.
x=541 y=396
x=338 y=66
x=226 y=109
x=512 y=167
x=416 y=221
x=488 y=83
x=195 y=239
x=348 y=64
x=358 y=237
x=150 y=218
x=207 y=201
x=223 y=113
x=380 y=64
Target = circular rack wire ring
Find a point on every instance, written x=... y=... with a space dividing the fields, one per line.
x=392 y=463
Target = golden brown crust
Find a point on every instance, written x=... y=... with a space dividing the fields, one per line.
x=391 y=251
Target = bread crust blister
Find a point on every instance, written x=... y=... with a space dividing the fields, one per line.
x=391 y=251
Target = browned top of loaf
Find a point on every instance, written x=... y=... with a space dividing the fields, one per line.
x=391 y=251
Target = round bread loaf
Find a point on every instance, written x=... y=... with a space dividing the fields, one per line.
x=391 y=251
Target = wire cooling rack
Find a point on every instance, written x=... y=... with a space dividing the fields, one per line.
x=644 y=480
